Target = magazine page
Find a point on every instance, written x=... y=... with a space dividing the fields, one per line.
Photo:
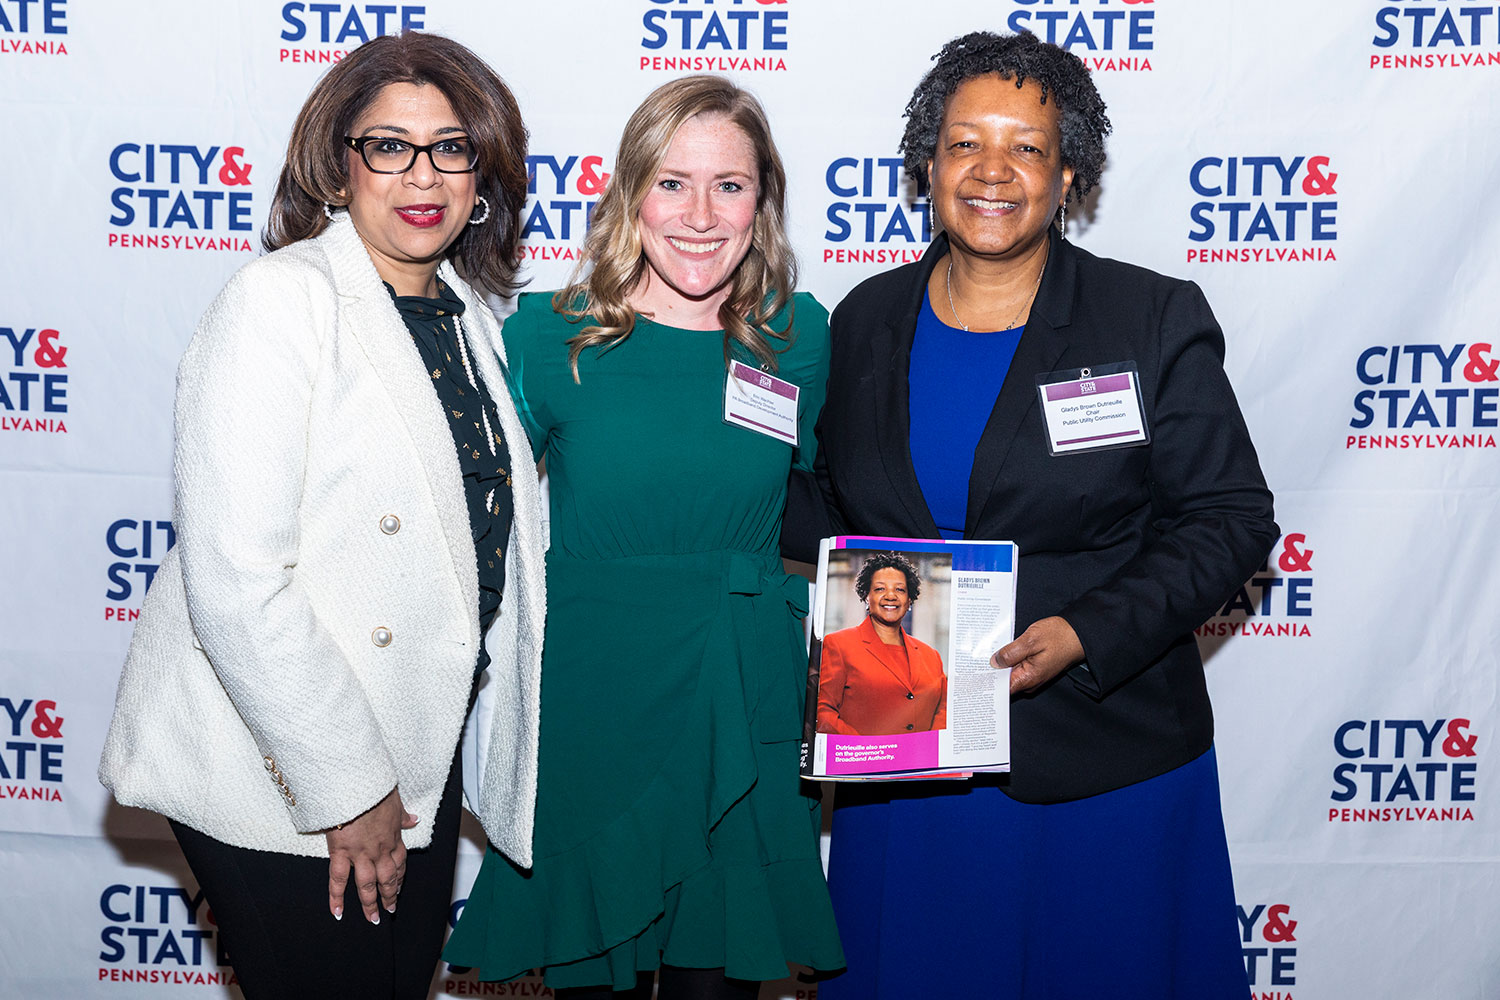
x=899 y=675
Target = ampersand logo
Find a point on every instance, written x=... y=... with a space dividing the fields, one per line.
x=1276 y=601
x=48 y=353
x=1294 y=558
x=767 y=3
x=45 y=725
x=1277 y=928
x=234 y=173
x=1481 y=368
x=1317 y=182
x=591 y=181
x=1459 y=743
x=181 y=196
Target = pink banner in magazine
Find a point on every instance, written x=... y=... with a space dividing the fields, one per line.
x=864 y=754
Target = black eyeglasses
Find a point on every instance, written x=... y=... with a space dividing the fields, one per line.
x=385 y=155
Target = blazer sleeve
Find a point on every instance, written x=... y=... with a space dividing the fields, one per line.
x=1213 y=513
x=841 y=378
x=244 y=391
x=811 y=375
x=809 y=516
x=806 y=520
x=832 y=673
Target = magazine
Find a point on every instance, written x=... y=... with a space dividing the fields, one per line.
x=899 y=678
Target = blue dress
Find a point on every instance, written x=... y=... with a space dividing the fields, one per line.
x=957 y=890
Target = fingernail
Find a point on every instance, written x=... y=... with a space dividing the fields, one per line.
x=376 y=919
x=391 y=908
x=338 y=913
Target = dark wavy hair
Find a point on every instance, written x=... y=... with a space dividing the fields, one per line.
x=1063 y=77
x=888 y=560
x=317 y=161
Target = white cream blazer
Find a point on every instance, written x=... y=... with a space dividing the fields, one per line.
x=310 y=641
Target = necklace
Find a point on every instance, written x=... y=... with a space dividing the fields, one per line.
x=1025 y=305
x=489 y=433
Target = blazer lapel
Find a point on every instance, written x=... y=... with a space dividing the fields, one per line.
x=371 y=319
x=1042 y=344
x=890 y=360
x=482 y=334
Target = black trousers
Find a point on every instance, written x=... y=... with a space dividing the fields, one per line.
x=272 y=914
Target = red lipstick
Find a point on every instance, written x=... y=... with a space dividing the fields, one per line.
x=421 y=216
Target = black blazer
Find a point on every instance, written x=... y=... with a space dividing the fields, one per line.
x=1134 y=547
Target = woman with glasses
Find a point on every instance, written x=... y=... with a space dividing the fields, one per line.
x=359 y=543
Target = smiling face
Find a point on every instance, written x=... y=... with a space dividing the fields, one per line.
x=997 y=176
x=697 y=221
x=407 y=221
x=889 y=600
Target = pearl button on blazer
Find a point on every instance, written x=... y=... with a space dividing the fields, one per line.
x=310 y=641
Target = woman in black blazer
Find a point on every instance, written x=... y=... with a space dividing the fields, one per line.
x=1100 y=864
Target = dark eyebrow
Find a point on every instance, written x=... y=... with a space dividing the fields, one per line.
x=445 y=130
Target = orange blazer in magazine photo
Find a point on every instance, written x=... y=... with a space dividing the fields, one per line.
x=869 y=688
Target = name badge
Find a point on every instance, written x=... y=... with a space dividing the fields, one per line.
x=761 y=402
x=1092 y=409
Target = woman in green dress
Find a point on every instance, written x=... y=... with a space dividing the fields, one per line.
x=671 y=831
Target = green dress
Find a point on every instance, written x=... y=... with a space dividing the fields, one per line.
x=670 y=826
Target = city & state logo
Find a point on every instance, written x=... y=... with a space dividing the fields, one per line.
x=560 y=197
x=1422 y=396
x=34 y=391
x=324 y=33
x=873 y=216
x=31 y=759
x=160 y=934
x=34 y=27
x=1268 y=941
x=1458 y=35
x=701 y=36
x=1110 y=36
x=1277 y=602
x=180 y=196
x=1404 y=771
x=1269 y=209
x=136 y=547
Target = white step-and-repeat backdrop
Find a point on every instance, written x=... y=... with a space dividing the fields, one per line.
x=1321 y=169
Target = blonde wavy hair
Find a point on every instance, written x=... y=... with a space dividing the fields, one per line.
x=612 y=263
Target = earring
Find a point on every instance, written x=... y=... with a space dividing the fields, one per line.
x=486 y=215
x=328 y=211
x=1062 y=219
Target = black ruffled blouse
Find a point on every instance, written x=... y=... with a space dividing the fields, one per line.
x=434 y=325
